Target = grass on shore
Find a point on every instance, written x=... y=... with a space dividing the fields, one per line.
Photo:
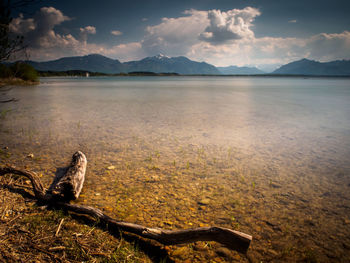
x=32 y=233
x=16 y=82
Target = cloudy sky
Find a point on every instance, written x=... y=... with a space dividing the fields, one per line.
x=263 y=33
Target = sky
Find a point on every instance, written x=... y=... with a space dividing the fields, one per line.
x=262 y=33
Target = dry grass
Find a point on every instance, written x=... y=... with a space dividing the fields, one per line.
x=16 y=82
x=29 y=233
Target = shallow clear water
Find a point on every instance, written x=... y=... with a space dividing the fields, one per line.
x=267 y=156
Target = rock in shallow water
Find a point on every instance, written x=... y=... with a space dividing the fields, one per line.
x=224 y=252
x=181 y=252
x=204 y=201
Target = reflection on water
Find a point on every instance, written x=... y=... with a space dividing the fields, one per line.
x=267 y=156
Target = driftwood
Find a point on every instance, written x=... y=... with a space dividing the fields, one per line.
x=68 y=187
x=9 y=100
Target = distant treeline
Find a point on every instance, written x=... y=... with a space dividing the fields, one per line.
x=84 y=73
x=18 y=70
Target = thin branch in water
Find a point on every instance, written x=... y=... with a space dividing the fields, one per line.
x=5 y=90
x=10 y=100
x=59 y=227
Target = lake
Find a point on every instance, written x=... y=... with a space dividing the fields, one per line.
x=268 y=156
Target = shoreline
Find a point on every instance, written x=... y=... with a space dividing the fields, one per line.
x=82 y=74
x=17 y=82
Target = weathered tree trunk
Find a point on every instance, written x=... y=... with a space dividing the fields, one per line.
x=68 y=187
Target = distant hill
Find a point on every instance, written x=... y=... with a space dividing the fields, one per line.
x=310 y=67
x=234 y=70
x=99 y=63
x=180 y=65
x=92 y=63
x=185 y=66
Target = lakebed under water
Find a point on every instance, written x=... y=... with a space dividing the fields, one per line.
x=265 y=156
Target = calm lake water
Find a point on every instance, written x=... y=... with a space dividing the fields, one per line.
x=266 y=156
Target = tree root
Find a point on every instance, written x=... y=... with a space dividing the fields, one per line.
x=67 y=187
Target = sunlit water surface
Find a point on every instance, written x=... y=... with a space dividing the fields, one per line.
x=266 y=156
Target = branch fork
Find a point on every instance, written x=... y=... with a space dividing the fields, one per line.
x=68 y=186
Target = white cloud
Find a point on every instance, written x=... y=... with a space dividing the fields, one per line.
x=88 y=30
x=231 y=25
x=85 y=31
x=116 y=32
x=292 y=21
x=38 y=31
x=44 y=43
x=272 y=50
x=213 y=36
x=22 y=26
x=227 y=38
x=125 y=52
x=177 y=36
x=219 y=38
x=325 y=47
x=48 y=17
x=249 y=52
x=174 y=36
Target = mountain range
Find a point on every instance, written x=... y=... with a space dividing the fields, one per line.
x=311 y=67
x=157 y=64
x=185 y=66
x=180 y=65
x=92 y=63
x=99 y=63
x=234 y=70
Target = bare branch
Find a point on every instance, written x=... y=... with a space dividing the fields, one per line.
x=68 y=187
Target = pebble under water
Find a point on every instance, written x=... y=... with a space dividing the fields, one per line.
x=266 y=156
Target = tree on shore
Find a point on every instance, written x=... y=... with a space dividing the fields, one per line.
x=9 y=44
